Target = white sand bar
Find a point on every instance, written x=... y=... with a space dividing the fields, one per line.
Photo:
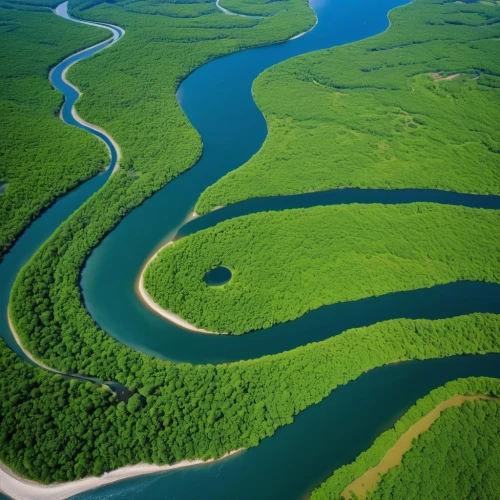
x=19 y=488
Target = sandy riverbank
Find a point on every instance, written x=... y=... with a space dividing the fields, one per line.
x=62 y=11
x=170 y=316
x=368 y=481
x=25 y=351
x=230 y=13
x=80 y=120
x=305 y=32
x=19 y=488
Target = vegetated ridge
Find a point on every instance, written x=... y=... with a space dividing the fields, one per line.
x=41 y=157
x=55 y=430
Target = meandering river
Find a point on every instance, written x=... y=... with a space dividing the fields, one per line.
x=50 y=219
x=325 y=436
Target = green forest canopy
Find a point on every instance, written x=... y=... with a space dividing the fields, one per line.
x=371 y=115
x=255 y=7
x=54 y=430
x=458 y=457
x=287 y=263
x=444 y=461
x=51 y=429
x=164 y=43
x=41 y=157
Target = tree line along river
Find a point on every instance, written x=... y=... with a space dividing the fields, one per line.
x=325 y=436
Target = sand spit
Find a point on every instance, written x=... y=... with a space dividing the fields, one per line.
x=19 y=488
x=170 y=316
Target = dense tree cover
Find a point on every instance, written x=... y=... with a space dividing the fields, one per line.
x=255 y=7
x=83 y=432
x=135 y=99
x=29 y=5
x=179 y=411
x=50 y=427
x=453 y=445
x=51 y=277
x=41 y=157
x=287 y=263
x=371 y=115
x=184 y=411
x=457 y=458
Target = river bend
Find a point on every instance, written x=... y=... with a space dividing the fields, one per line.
x=299 y=456
x=232 y=129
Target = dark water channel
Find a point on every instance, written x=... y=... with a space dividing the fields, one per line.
x=326 y=435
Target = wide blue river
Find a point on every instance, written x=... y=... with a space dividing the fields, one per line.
x=325 y=436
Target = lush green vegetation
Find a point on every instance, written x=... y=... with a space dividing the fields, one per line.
x=136 y=83
x=69 y=430
x=41 y=157
x=255 y=7
x=138 y=90
x=29 y=5
x=49 y=426
x=55 y=430
x=183 y=411
x=456 y=458
x=287 y=263
x=371 y=115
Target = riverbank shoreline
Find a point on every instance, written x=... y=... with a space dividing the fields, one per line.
x=61 y=11
x=19 y=488
x=117 y=33
x=25 y=351
x=230 y=13
x=309 y=30
x=168 y=315
x=393 y=457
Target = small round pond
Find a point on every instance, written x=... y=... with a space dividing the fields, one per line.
x=218 y=276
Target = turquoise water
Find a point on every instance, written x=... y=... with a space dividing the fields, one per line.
x=299 y=456
x=218 y=276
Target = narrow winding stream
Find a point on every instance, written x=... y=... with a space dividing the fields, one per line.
x=47 y=223
x=299 y=456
